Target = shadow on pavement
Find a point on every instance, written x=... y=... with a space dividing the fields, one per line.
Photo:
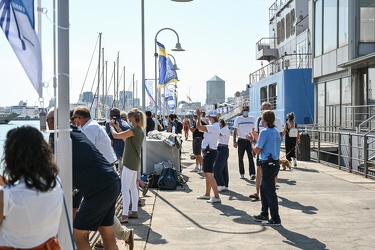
x=297 y=206
x=300 y=241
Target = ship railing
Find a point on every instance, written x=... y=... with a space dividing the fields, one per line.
x=285 y=62
x=359 y=117
x=266 y=43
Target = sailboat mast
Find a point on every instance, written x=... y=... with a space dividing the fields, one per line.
x=118 y=79
x=97 y=98
x=114 y=84
x=123 y=93
x=133 y=90
x=104 y=97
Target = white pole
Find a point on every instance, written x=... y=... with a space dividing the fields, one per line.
x=64 y=143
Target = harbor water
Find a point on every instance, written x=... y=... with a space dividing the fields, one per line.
x=4 y=128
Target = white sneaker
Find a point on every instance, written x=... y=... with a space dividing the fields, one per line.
x=196 y=169
x=214 y=200
x=242 y=176
x=295 y=162
x=203 y=197
x=221 y=188
x=200 y=171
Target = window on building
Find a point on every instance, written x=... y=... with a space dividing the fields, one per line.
x=318 y=28
x=367 y=21
x=273 y=95
x=263 y=95
x=280 y=31
x=288 y=25
x=321 y=104
x=371 y=85
x=292 y=22
x=343 y=22
x=329 y=25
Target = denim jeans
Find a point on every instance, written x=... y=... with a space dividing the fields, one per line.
x=268 y=190
x=245 y=145
x=221 y=166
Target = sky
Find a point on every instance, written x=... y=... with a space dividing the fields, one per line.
x=218 y=36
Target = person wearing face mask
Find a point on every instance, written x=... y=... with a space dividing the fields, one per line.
x=244 y=125
x=257 y=128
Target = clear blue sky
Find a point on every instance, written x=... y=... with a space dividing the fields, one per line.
x=219 y=37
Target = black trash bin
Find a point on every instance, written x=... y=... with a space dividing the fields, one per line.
x=304 y=147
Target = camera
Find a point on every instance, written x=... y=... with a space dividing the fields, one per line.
x=114 y=119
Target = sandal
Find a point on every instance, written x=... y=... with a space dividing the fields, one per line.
x=254 y=196
x=133 y=215
x=123 y=221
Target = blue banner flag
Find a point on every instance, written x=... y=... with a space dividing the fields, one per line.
x=167 y=72
x=17 y=22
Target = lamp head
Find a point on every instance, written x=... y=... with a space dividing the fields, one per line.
x=178 y=47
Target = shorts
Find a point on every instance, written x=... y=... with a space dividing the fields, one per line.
x=98 y=209
x=209 y=160
x=197 y=145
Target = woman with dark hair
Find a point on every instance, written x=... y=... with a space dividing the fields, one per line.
x=221 y=163
x=31 y=202
x=131 y=160
x=291 y=140
x=268 y=148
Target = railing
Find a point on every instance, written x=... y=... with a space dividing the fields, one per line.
x=266 y=42
x=275 y=7
x=353 y=152
x=361 y=117
x=287 y=61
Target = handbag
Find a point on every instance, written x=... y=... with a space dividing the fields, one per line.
x=293 y=132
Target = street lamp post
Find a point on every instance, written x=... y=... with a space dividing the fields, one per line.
x=144 y=71
x=177 y=48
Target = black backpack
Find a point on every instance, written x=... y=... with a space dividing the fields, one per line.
x=179 y=127
x=168 y=179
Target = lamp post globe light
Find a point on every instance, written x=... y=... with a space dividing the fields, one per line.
x=177 y=48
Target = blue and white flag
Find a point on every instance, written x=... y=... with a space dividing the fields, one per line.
x=149 y=85
x=17 y=22
x=167 y=72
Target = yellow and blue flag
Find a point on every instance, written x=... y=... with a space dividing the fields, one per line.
x=167 y=72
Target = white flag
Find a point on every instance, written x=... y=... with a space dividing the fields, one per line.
x=17 y=22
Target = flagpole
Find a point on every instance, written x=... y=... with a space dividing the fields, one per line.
x=64 y=143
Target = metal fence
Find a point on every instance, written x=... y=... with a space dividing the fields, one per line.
x=350 y=151
x=287 y=61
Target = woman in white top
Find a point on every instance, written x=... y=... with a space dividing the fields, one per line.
x=32 y=200
x=221 y=163
x=209 y=147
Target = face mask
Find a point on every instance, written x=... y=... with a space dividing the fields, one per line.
x=246 y=113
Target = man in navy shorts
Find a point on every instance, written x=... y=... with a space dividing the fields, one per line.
x=94 y=176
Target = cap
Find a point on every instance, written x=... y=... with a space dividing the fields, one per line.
x=213 y=113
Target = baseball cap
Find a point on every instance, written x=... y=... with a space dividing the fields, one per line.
x=213 y=113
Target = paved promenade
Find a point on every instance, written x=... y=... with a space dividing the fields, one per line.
x=320 y=208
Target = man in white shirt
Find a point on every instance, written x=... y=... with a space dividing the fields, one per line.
x=94 y=132
x=244 y=125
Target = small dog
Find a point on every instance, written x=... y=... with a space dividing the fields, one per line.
x=285 y=164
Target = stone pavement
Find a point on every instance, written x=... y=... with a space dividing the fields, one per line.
x=320 y=207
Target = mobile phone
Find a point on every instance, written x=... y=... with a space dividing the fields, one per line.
x=114 y=119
